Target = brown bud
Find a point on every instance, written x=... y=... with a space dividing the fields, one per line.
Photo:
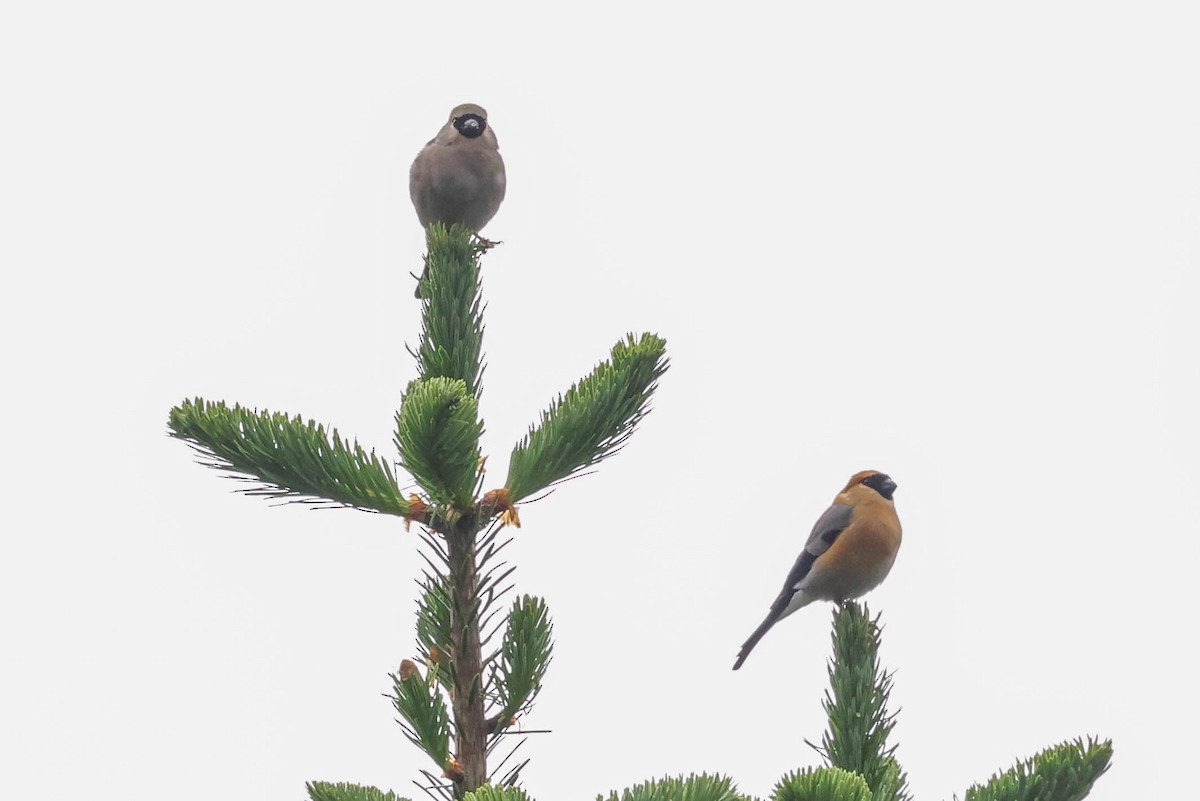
x=497 y=501
x=416 y=510
x=454 y=771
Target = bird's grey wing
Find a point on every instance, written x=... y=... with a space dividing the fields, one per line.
x=828 y=526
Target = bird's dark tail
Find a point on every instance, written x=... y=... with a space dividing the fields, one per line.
x=749 y=644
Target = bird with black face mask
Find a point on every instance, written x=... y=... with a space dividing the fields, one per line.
x=458 y=177
x=849 y=552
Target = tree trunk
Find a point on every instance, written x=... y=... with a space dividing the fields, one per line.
x=470 y=726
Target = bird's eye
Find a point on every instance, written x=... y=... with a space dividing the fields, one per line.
x=470 y=125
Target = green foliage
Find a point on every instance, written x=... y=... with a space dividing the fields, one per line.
x=426 y=721
x=433 y=627
x=327 y=791
x=856 y=704
x=437 y=433
x=490 y=792
x=694 y=788
x=1064 y=772
x=524 y=656
x=821 y=784
x=287 y=457
x=451 y=343
x=592 y=420
x=859 y=726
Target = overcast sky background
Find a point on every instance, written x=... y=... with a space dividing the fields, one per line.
x=955 y=244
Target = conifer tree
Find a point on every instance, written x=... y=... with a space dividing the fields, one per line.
x=479 y=667
x=460 y=699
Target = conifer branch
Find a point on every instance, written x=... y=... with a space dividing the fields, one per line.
x=433 y=628
x=524 y=656
x=856 y=704
x=1064 y=772
x=592 y=420
x=490 y=792
x=821 y=784
x=702 y=787
x=288 y=458
x=437 y=434
x=451 y=344
x=327 y=791
x=426 y=722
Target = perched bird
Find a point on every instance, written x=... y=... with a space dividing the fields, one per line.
x=458 y=177
x=851 y=549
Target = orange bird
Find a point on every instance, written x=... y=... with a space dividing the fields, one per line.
x=851 y=549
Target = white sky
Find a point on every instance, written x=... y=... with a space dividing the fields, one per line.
x=954 y=244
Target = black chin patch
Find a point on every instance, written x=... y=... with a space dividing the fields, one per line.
x=470 y=125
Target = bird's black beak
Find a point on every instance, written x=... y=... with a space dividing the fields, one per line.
x=887 y=487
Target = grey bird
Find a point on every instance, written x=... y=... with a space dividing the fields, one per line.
x=458 y=177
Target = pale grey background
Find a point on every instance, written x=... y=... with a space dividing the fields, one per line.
x=954 y=243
